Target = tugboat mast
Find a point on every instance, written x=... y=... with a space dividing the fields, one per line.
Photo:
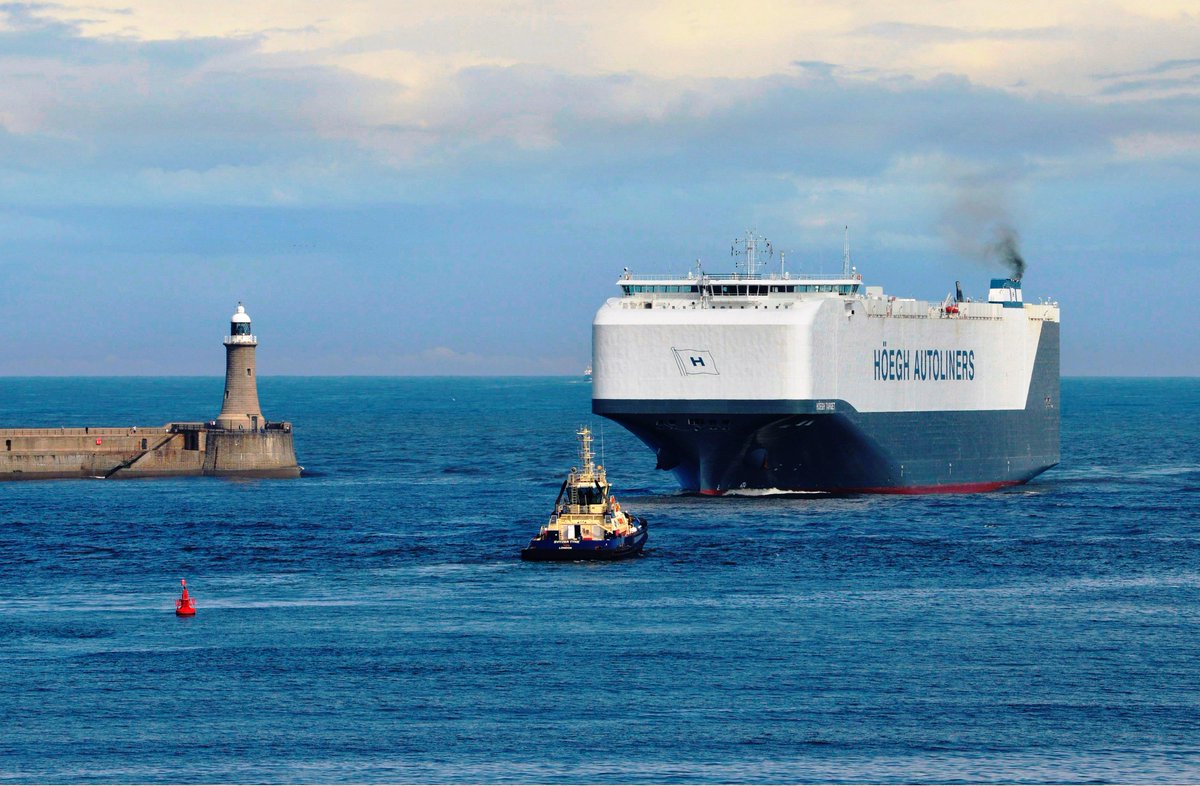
x=586 y=455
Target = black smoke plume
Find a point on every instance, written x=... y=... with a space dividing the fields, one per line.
x=977 y=225
x=1006 y=248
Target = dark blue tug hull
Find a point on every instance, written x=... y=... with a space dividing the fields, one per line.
x=715 y=446
x=546 y=550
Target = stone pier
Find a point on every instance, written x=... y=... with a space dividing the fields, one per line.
x=240 y=441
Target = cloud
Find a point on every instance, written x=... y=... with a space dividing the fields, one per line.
x=816 y=68
x=223 y=121
x=1188 y=84
x=924 y=33
x=1159 y=146
x=450 y=182
x=1163 y=67
x=1166 y=77
x=1045 y=46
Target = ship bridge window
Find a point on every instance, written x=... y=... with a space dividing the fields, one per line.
x=591 y=495
x=661 y=289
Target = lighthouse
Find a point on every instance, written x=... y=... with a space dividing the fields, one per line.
x=240 y=409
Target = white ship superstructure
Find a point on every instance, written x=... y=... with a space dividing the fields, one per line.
x=816 y=382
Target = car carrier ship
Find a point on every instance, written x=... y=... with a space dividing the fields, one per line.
x=768 y=380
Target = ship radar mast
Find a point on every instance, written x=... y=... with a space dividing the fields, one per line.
x=846 y=254
x=749 y=248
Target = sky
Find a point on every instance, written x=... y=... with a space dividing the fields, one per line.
x=453 y=188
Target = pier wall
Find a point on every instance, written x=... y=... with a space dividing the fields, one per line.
x=263 y=453
x=177 y=449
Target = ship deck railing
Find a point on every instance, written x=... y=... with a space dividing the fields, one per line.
x=738 y=277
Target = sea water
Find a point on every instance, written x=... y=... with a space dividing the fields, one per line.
x=371 y=621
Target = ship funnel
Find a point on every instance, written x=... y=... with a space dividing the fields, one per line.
x=1006 y=291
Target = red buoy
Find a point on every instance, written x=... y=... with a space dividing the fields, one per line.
x=185 y=606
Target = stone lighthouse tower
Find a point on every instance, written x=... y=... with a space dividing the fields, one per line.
x=240 y=410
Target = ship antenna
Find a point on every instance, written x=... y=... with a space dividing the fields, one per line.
x=846 y=254
x=749 y=253
x=585 y=450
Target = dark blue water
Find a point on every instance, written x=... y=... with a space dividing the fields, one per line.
x=371 y=621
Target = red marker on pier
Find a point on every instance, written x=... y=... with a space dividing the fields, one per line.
x=185 y=606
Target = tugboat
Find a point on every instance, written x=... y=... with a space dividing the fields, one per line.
x=587 y=522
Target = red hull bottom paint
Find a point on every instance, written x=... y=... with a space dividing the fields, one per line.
x=949 y=488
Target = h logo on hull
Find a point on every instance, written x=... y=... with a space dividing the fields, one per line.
x=695 y=361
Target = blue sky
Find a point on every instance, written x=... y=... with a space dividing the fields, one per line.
x=433 y=190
